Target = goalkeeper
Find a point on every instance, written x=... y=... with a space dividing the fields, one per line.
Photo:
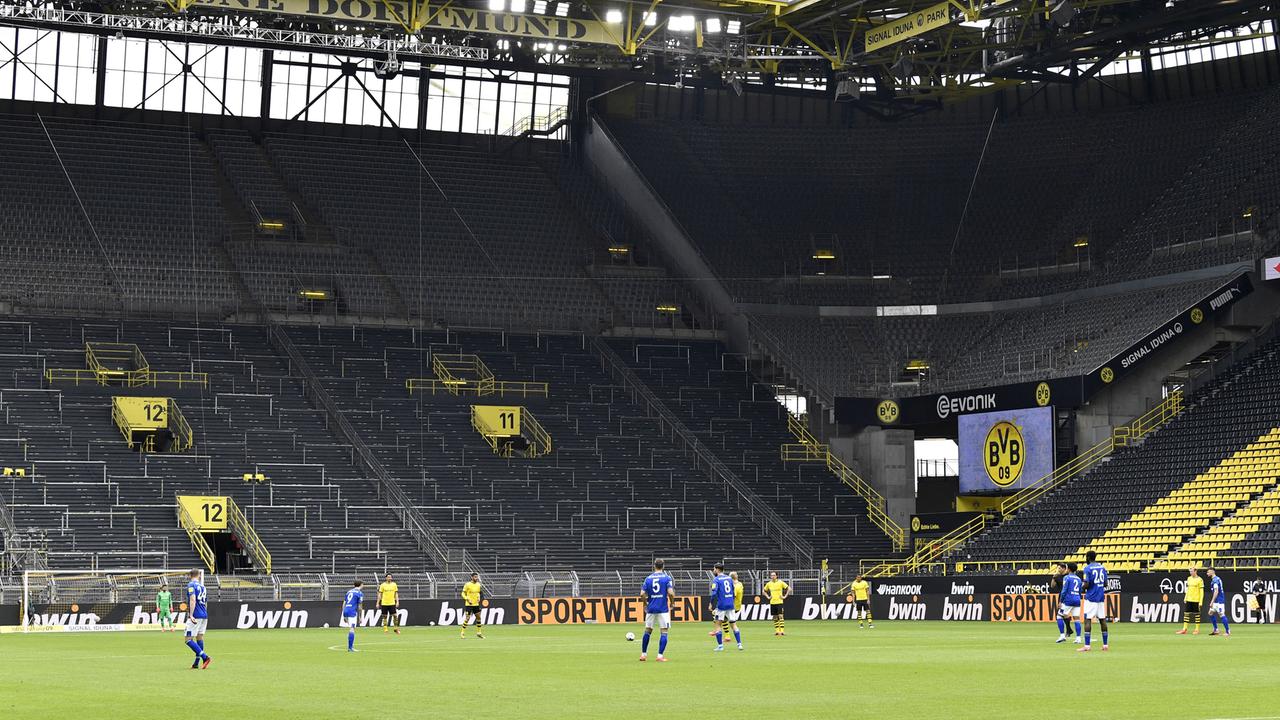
x=164 y=608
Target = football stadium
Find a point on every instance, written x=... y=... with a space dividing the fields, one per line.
x=589 y=358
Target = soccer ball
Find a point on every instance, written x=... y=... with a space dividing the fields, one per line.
x=631 y=637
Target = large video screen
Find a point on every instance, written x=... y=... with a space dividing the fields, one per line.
x=1005 y=450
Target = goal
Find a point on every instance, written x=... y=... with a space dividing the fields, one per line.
x=94 y=600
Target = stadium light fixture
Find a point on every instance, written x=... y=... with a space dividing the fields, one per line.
x=613 y=16
x=519 y=6
x=651 y=19
x=681 y=23
x=540 y=7
x=713 y=25
x=562 y=9
x=734 y=27
x=497 y=5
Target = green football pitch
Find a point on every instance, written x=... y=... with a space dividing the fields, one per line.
x=897 y=670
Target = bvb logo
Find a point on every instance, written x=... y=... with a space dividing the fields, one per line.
x=887 y=411
x=1197 y=315
x=915 y=524
x=1107 y=375
x=1042 y=394
x=1005 y=453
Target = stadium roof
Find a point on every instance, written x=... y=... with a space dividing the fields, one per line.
x=901 y=52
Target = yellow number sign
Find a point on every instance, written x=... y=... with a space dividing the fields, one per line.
x=208 y=512
x=499 y=419
x=143 y=413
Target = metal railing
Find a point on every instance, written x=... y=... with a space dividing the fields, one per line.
x=929 y=557
x=809 y=450
x=760 y=512
x=183 y=437
x=501 y=388
x=252 y=542
x=427 y=538
x=1120 y=437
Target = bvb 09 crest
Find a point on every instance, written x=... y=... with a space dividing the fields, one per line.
x=1005 y=453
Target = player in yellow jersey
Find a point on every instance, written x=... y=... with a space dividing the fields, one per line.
x=777 y=591
x=389 y=604
x=862 y=601
x=471 y=594
x=1193 y=597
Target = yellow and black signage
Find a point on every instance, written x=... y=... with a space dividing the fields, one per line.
x=908 y=26
x=397 y=12
x=934 y=525
x=207 y=512
x=1005 y=453
x=1043 y=394
x=887 y=411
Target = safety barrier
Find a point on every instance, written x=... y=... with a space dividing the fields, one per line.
x=500 y=387
x=249 y=537
x=810 y=450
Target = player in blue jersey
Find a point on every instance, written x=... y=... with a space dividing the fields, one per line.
x=657 y=593
x=1217 y=603
x=722 y=604
x=1069 y=603
x=197 y=618
x=1095 y=599
x=351 y=613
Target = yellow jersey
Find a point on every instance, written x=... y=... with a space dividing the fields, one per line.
x=861 y=590
x=1195 y=589
x=737 y=596
x=471 y=594
x=775 y=589
x=388 y=594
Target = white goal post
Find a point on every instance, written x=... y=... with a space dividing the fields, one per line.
x=89 y=600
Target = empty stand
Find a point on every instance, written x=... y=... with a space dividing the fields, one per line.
x=99 y=504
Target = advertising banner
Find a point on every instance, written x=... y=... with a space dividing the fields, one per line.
x=1068 y=392
x=933 y=525
x=1006 y=450
x=267 y=615
x=1150 y=597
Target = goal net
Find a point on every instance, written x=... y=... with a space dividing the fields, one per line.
x=87 y=600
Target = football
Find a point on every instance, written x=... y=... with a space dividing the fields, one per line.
x=631 y=637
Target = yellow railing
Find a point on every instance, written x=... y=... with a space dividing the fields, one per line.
x=1018 y=567
x=183 y=438
x=122 y=422
x=810 y=450
x=128 y=378
x=257 y=549
x=462 y=372
x=1120 y=437
x=930 y=555
x=197 y=538
x=114 y=357
x=456 y=387
x=152 y=378
x=539 y=439
x=1233 y=563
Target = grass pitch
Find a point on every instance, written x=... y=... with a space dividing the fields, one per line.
x=920 y=669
